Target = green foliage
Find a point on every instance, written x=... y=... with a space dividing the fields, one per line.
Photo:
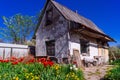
x=31 y=42
x=18 y=27
x=114 y=73
x=114 y=52
x=116 y=62
x=36 y=71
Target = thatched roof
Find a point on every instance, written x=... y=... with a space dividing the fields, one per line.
x=74 y=17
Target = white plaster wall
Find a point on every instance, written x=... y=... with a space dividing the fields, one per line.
x=72 y=46
x=74 y=43
x=93 y=50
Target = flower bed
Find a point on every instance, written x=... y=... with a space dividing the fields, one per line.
x=36 y=69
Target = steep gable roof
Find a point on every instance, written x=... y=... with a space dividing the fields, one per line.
x=72 y=16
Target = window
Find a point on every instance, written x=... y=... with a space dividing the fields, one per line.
x=84 y=46
x=49 y=15
x=50 y=48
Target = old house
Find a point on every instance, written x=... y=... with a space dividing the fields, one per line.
x=62 y=33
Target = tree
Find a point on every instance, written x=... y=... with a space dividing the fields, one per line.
x=114 y=52
x=31 y=42
x=19 y=28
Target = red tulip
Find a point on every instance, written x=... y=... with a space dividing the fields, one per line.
x=6 y=61
x=1 y=61
x=32 y=60
x=14 y=63
x=42 y=59
x=21 y=59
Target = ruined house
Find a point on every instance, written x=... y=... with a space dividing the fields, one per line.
x=62 y=33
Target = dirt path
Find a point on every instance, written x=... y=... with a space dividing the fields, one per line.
x=96 y=73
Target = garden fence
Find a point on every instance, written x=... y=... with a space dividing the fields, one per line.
x=16 y=50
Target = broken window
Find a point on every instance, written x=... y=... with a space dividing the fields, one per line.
x=84 y=46
x=50 y=48
x=49 y=16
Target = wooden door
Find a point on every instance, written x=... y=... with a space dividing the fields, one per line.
x=77 y=58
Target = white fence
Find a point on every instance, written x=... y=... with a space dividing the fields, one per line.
x=16 y=50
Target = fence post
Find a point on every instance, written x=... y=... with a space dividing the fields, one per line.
x=11 y=53
x=4 y=53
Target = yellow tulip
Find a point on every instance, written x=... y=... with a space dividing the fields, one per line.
x=16 y=78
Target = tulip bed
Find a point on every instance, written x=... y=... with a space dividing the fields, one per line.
x=37 y=69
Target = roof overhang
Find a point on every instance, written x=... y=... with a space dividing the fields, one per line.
x=94 y=34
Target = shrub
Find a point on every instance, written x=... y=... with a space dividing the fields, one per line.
x=116 y=62
x=113 y=74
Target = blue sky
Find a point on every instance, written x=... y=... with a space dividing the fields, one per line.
x=104 y=13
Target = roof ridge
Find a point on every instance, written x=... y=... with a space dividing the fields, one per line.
x=70 y=15
x=78 y=17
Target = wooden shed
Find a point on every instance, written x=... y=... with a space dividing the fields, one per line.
x=63 y=34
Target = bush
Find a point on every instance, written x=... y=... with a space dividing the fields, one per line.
x=116 y=62
x=113 y=74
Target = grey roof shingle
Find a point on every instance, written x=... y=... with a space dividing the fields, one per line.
x=72 y=16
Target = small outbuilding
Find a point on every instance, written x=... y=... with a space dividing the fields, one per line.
x=64 y=34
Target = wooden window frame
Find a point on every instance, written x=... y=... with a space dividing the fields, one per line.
x=86 y=46
x=50 y=48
